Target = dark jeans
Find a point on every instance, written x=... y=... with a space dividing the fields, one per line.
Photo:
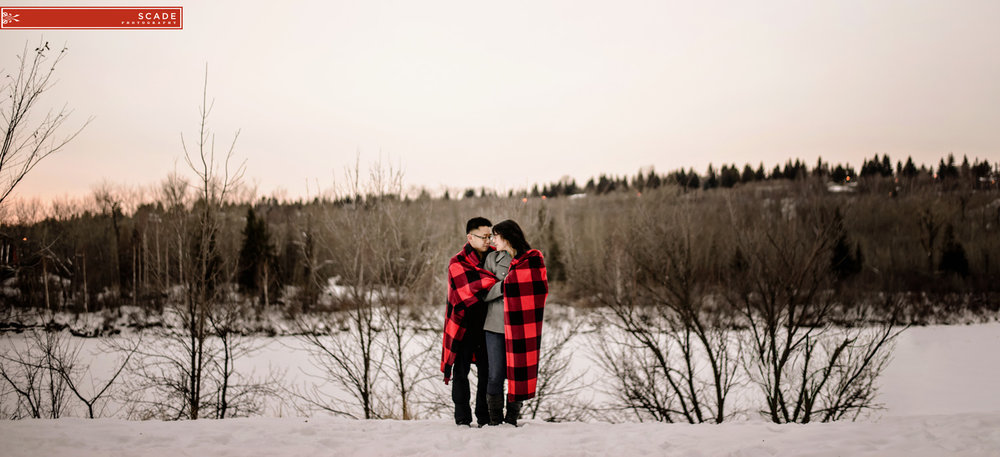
x=472 y=344
x=496 y=352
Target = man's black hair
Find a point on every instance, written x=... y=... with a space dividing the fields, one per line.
x=475 y=223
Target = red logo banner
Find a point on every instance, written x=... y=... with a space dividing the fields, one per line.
x=91 y=17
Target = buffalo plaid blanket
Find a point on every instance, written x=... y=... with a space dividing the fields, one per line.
x=525 y=289
x=467 y=285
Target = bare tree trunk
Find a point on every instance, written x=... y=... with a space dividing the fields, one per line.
x=86 y=294
x=45 y=282
x=135 y=278
x=267 y=280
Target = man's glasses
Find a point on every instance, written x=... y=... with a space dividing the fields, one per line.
x=484 y=238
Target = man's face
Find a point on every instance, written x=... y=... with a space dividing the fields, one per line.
x=479 y=238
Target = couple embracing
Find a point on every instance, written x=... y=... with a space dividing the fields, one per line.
x=497 y=287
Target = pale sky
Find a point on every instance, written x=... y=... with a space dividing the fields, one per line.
x=506 y=94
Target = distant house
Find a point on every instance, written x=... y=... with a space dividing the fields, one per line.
x=10 y=256
x=10 y=248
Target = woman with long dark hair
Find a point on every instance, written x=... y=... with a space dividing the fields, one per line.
x=513 y=327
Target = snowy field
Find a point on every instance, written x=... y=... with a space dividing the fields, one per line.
x=970 y=434
x=939 y=394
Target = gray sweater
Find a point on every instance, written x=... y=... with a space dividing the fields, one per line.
x=498 y=263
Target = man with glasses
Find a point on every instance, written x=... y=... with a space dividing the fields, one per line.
x=468 y=284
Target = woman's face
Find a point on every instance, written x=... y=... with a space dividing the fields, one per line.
x=500 y=243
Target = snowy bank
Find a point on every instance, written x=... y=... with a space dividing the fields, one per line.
x=973 y=434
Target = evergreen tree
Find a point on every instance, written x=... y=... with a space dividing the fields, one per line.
x=821 y=169
x=653 y=180
x=966 y=170
x=792 y=170
x=747 y=175
x=605 y=185
x=571 y=188
x=693 y=180
x=868 y=168
x=257 y=256
x=981 y=169
x=739 y=262
x=843 y=262
x=910 y=170
x=639 y=182
x=553 y=256
x=711 y=180
x=949 y=170
x=839 y=175
x=730 y=176
x=953 y=259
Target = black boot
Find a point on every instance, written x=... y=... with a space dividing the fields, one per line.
x=495 y=404
x=513 y=413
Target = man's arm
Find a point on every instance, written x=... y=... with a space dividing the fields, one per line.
x=495 y=292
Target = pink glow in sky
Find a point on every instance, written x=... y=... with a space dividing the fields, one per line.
x=507 y=94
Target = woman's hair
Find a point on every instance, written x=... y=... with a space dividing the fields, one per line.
x=511 y=232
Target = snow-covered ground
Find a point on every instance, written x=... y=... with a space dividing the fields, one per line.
x=944 y=369
x=939 y=394
x=932 y=436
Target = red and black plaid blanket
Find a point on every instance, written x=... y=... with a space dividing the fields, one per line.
x=525 y=289
x=467 y=284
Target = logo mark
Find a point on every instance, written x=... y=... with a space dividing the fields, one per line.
x=92 y=17
x=10 y=18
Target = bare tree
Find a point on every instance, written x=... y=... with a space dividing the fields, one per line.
x=26 y=368
x=44 y=368
x=806 y=368
x=345 y=346
x=215 y=179
x=236 y=393
x=181 y=370
x=175 y=193
x=674 y=357
x=405 y=270
x=65 y=361
x=110 y=203
x=28 y=140
x=383 y=251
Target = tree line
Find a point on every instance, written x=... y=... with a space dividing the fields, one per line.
x=980 y=173
x=116 y=251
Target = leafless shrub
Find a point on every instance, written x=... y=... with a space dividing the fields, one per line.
x=46 y=369
x=806 y=369
x=382 y=251
x=40 y=391
x=670 y=351
x=65 y=361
